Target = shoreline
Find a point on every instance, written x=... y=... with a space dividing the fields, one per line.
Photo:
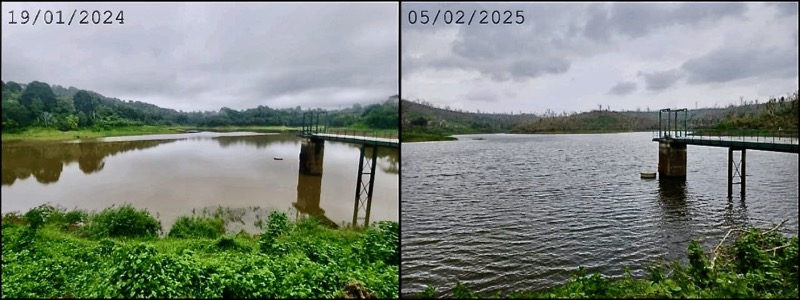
x=52 y=134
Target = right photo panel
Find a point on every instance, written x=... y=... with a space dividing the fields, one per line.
x=603 y=150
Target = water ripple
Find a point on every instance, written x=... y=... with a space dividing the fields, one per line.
x=521 y=212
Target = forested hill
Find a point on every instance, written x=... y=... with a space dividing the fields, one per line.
x=416 y=115
x=776 y=113
x=40 y=104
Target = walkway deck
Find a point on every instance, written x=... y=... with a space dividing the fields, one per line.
x=764 y=143
x=384 y=142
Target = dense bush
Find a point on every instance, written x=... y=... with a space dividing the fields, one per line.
x=76 y=216
x=45 y=213
x=381 y=243
x=313 y=262
x=123 y=221
x=195 y=227
x=230 y=243
x=277 y=225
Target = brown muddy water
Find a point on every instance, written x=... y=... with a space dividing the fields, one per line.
x=234 y=174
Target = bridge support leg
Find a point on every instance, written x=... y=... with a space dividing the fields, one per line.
x=312 y=151
x=364 y=187
x=671 y=159
x=739 y=170
x=730 y=172
x=744 y=165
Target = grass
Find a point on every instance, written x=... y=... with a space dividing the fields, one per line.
x=52 y=134
x=410 y=137
x=44 y=257
x=582 y=131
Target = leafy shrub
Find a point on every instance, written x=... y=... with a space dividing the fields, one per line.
x=381 y=243
x=277 y=225
x=76 y=216
x=43 y=214
x=229 y=243
x=12 y=219
x=124 y=221
x=195 y=227
x=315 y=262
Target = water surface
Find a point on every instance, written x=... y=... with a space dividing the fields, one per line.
x=178 y=174
x=512 y=212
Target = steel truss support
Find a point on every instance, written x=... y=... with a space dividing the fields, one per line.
x=363 y=200
x=737 y=170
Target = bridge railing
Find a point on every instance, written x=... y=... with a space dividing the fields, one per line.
x=745 y=135
x=380 y=134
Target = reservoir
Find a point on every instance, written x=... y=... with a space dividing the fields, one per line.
x=504 y=212
x=244 y=175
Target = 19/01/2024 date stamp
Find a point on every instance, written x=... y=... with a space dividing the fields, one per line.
x=58 y=17
x=480 y=17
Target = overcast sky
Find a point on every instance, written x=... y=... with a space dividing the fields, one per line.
x=574 y=56
x=203 y=56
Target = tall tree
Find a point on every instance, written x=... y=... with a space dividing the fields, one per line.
x=85 y=102
x=41 y=91
x=12 y=87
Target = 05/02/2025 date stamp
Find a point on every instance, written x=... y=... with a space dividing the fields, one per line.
x=460 y=17
x=59 y=17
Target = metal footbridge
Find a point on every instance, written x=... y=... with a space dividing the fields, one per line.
x=316 y=132
x=673 y=136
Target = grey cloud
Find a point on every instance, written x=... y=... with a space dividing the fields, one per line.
x=785 y=9
x=623 y=88
x=482 y=94
x=657 y=81
x=208 y=55
x=638 y=19
x=553 y=34
x=591 y=41
x=597 y=27
x=732 y=63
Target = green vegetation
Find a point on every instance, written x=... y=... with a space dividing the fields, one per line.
x=759 y=264
x=193 y=227
x=422 y=118
x=594 y=121
x=124 y=221
x=40 y=111
x=410 y=137
x=776 y=113
x=51 y=253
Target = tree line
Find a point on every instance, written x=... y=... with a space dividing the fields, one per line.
x=39 y=104
x=422 y=117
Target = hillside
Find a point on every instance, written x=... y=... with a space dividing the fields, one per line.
x=593 y=121
x=422 y=117
x=38 y=104
x=423 y=120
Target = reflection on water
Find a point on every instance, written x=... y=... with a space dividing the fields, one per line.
x=389 y=159
x=174 y=175
x=45 y=161
x=309 y=188
x=672 y=193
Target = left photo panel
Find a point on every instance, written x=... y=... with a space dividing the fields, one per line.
x=200 y=150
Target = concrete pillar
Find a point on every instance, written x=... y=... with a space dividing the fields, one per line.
x=671 y=159
x=311 y=153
